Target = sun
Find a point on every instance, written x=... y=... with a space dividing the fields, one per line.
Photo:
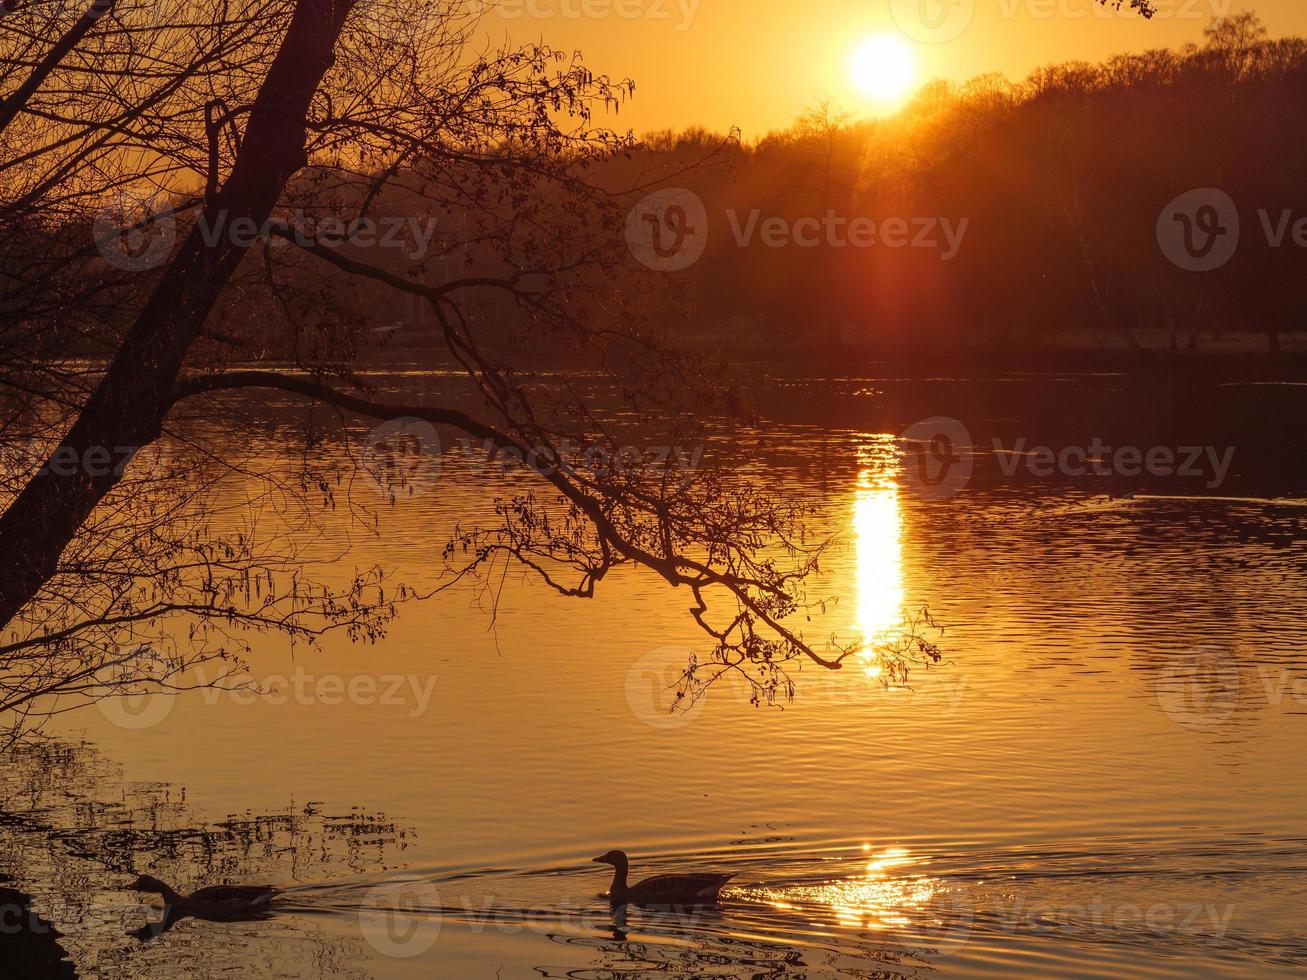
x=884 y=68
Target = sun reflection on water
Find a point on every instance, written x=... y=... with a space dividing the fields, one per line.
x=882 y=897
x=877 y=528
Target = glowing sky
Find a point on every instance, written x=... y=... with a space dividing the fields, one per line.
x=757 y=63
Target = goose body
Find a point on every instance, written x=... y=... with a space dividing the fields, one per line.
x=220 y=903
x=661 y=891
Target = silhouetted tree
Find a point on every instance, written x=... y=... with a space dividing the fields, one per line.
x=286 y=115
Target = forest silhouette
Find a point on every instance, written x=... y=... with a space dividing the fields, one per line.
x=1018 y=218
x=1059 y=181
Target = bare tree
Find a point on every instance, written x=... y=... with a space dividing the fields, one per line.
x=247 y=132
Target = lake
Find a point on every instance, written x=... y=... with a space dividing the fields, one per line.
x=1102 y=777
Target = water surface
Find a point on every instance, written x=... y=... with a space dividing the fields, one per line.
x=1102 y=779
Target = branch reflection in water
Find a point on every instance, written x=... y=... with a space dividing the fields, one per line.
x=74 y=834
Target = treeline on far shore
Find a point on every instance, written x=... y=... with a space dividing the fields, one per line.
x=1151 y=202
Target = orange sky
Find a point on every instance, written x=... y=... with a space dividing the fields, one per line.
x=757 y=63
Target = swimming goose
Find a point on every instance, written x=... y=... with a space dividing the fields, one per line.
x=661 y=891
x=221 y=903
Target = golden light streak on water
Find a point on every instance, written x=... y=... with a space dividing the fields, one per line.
x=877 y=531
x=881 y=898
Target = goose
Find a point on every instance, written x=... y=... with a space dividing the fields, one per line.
x=662 y=891
x=220 y=903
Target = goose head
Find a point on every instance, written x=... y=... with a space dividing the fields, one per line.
x=616 y=858
x=146 y=883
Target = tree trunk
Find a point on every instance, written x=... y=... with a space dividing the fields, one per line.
x=128 y=407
